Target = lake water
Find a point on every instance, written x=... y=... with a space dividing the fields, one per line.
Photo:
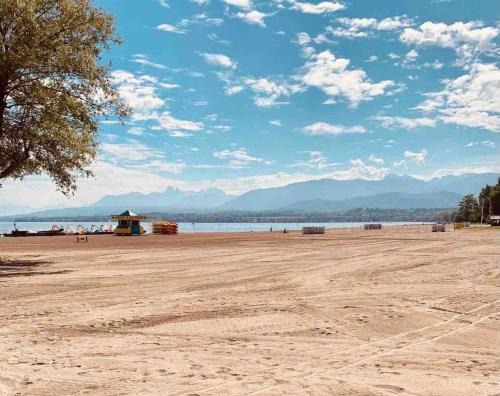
x=6 y=227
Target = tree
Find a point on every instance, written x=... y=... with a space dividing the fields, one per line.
x=484 y=202
x=495 y=200
x=53 y=89
x=468 y=209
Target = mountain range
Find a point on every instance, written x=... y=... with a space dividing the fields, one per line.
x=392 y=192
x=173 y=198
x=337 y=190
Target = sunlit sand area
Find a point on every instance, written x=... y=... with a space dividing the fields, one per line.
x=352 y=312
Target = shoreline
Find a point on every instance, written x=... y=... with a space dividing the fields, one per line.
x=215 y=227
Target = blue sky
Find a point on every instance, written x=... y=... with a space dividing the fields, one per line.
x=242 y=94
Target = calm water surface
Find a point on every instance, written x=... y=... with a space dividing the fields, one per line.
x=6 y=227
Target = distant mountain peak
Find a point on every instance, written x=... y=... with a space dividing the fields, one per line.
x=343 y=190
x=172 y=198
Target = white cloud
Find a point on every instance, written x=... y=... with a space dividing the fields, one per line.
x=409 y=62
x=323 y=7
x=165 y=85
x=233 y=90
x=476 y=168
x=400 y=164
x=108 y=178
x=360 y=170
x=468 y=40
x=144 y=60
x=364 y=27
x=165 y=27
x=486 y=143
x=161 y=166
x=416 y=157
x=403 y=122
x=268 y=92
x=239 y=3
x=179 y=134
x=323 y=128
x=136 y=131
x=332 y=76
x=372 y=58
x=200 y=20
x=218 y=60
x=276 y=123
x=132 y=151
x=471 y=100
x=411 y=56
x=377 y=160
x=357 y=170
x=170 y=123
x=394 y=23
x=239 y=158
x=223 y=128
x=138 y=92
x=316 y=160
x=303 y=38
x=253 y=17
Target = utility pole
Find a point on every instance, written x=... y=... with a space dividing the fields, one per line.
x=482 y=210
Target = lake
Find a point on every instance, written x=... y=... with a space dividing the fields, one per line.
x=6 y=227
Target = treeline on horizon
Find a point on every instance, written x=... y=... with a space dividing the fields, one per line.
x=352 y=215
x=480 y=209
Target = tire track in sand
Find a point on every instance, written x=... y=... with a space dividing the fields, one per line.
x=376 y=354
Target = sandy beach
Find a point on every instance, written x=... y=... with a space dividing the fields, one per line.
x=352 y=312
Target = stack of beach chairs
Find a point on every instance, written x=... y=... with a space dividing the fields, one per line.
x=373 y=226
x=439 y=228
x=459 y=226
x=165 y=228
x=313 y=230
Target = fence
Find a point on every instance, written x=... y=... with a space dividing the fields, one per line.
x=313 y=230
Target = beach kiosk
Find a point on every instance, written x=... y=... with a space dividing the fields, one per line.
x=129 y=223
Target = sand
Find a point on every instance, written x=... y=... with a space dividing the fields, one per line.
x=349 y=313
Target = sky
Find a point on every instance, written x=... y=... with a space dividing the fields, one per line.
x=246 y=94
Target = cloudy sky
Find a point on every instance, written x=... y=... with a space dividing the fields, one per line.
x=244 y=94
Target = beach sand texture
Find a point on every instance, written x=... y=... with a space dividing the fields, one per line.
x=351 y=312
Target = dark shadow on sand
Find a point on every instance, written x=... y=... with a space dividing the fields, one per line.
x=13 y=268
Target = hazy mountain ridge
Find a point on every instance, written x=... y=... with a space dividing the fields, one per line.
x=393 y=192
x=172 y=198
x=441 y=199
x=14 y=209
x=339 y=190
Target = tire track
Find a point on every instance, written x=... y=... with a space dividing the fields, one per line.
x=373 y=356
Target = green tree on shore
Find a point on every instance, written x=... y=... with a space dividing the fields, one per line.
x=489 y=201
x=468 y=209
x=495 y=199
x=485 y=202
x=53 y=88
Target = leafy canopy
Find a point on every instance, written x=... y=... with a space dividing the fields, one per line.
x=468 y=209
x=53 y=87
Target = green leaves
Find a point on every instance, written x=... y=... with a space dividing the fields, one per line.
x=468 y=209
x=52 y=88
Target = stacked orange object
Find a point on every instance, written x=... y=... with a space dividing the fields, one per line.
x=165 y=228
